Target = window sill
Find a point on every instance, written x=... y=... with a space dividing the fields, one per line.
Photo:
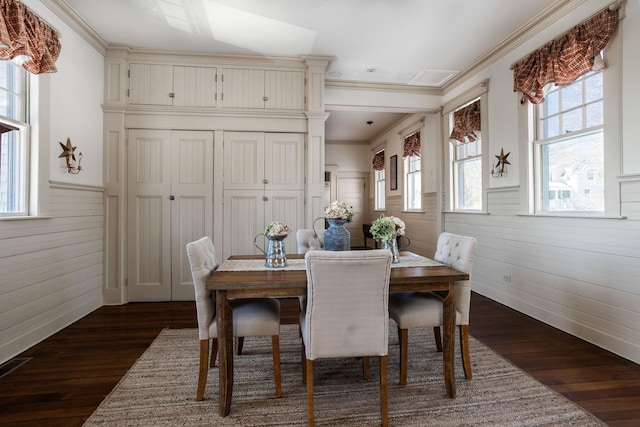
x=415 y=212
x=22 y=218
x=467 y=212
x=572 y=215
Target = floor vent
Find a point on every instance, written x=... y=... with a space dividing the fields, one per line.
x=12 y=365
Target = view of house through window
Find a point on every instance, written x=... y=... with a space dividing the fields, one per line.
x=13 y=139
x=569 y=147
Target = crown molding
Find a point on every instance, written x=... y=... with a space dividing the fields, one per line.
x=535 y=25
x=72 y=19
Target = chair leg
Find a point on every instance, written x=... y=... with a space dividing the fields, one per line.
x=309 y=374
x=275 y=347
x=464 y=349
x=204 y=367
x=303 y=363
x=437 y=335
x=240 y=343
x=365 y=367
x=404 y=348
x=384 y=400
x=214 y=352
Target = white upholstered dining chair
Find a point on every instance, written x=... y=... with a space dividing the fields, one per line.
x=424 y=309
x=308 y=240
x=251 y=316
x=346 y=313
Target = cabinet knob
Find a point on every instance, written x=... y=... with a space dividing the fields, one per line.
x=265 y=199
x=265 y=181
x=265 y=98
x=172 y=198
x=172 y=95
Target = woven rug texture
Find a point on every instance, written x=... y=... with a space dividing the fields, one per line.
x=160 y=389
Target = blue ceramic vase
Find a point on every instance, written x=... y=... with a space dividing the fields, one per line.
x=337 y=237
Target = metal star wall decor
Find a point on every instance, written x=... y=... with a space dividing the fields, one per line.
x=67 y=150
x=498 y=170
x=502 y=158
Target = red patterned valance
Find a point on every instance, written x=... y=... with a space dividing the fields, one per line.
x=378 y=161
x=564 y=59
x=411 y=145
x=466 y=123
x=24 y=36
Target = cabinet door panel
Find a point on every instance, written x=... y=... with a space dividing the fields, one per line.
x=194 y=86
x=288 y=208
x=244 y=160
x=243 y=219
x=192 y=204
x=149 y=218
x=284 y=161
x=150 y=84
x=284 y=90
x=243 y=88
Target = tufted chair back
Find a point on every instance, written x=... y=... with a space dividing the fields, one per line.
x=459 y=253
x=203 y=260
x=308 y=241
x=347 y=303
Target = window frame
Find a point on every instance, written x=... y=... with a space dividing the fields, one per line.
x=480 y=91
x=416 y=176
x=379 y=186
x=20 y=121
x=612 y=145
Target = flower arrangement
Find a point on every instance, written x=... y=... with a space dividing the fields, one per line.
x=277 y=229
x=339 y=210
x=387 y=228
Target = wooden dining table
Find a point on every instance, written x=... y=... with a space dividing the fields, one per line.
x=231 y=284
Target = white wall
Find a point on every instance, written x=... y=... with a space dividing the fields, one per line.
x=51 y=266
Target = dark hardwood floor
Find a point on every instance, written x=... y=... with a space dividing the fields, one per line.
x=70 y=373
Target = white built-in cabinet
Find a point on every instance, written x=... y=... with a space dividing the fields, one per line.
x=170 y=190
x=263 y=182
x=273 y=89
x=197 y=86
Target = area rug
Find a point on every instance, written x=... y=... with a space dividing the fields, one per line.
x=160 y=389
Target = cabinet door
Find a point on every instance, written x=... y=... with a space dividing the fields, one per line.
x=242 y=88
x=243 y=220
x=244 y=154
x=150 y=84
x=149 y=217
x=284 y=161
x=284 y=90
x=287 y=207
x=191 y=203
x=194 y=86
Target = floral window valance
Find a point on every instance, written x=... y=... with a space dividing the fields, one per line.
x=567 y=57
x=411 y=145
x=466 y=123
x=27 y=38
x=378 y=161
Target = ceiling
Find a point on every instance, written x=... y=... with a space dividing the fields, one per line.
x=422 y=43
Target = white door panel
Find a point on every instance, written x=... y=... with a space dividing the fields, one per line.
x=170 y=204
x=149 y=276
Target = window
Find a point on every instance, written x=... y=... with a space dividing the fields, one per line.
x=14 y=149
x=379 y=177
x=412 y=172
x=465 y=147
x=568 y=148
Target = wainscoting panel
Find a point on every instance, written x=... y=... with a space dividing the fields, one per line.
x=577 y=274
x=51 y=269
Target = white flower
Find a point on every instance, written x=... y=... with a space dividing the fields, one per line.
x=400 y=226
x=277 y=228
x=339 y=210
